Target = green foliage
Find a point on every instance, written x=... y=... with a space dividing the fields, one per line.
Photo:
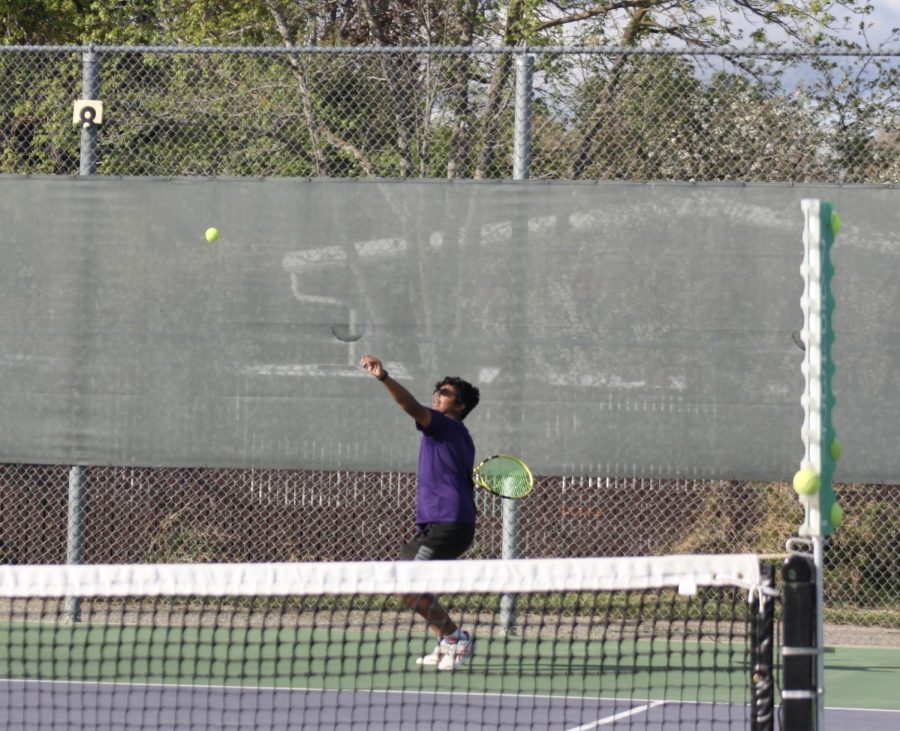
x=40 y=21
x=135 y=22
x=740 y=516
x=185 y=537
x=36 y=131
x=659 y=118
x=402 y=22
x=600 y=117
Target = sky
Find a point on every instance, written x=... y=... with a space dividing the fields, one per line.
x=885 y=17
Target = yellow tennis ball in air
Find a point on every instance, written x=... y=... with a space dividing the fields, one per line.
x=837 y=515
x=212 y=234
x=806 y=482
x=836 y=450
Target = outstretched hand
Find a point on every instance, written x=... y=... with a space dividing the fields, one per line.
x=372 y=365
x=404 y=398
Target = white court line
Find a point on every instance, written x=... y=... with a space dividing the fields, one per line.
x=617 y=716
x=864 y=710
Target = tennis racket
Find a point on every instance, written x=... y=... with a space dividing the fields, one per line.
x=505 y=476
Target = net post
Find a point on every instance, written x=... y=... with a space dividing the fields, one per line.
x=762 y=653
x=818 y=543
x=799 y=697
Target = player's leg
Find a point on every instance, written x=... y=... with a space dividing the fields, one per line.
x=440 y=541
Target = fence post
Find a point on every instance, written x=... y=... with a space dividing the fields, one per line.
x=90 y=89
x=524 y=95
x=521 y=168
x=75 y=545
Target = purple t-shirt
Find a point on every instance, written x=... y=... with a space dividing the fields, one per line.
x=446 y=457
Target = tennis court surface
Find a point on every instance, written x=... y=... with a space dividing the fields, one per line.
x=661 y=642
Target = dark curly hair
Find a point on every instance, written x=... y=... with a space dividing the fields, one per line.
x=469 y=395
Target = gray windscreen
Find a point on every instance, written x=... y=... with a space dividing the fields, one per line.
x=612 y=328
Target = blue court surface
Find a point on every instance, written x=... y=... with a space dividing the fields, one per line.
x=36 y=704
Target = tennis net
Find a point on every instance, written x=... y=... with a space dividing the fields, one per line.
x=659 y=642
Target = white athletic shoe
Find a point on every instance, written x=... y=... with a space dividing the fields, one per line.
x=432 y=658
x=455 y=651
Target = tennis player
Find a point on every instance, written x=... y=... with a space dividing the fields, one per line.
x=445 y=500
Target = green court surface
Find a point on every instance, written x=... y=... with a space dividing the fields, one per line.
x=339 y=659
x=863 y=677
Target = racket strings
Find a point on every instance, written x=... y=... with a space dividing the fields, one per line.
x=506 y=477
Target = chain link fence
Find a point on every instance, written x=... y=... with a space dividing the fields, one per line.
x=447 y=113
x=207 y=515
x=452 y=113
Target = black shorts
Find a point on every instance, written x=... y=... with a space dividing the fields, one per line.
x=439 y=541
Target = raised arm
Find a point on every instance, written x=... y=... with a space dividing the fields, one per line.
x=404 y=398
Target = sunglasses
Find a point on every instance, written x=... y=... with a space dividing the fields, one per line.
x=444 y=391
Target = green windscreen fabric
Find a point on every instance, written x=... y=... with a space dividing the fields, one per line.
x=613 y=328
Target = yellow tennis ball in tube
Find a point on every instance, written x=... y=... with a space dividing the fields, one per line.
x=212 y=234
x=835 y=223
x=837 y=449
x=806 y=482
x=837 y=515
